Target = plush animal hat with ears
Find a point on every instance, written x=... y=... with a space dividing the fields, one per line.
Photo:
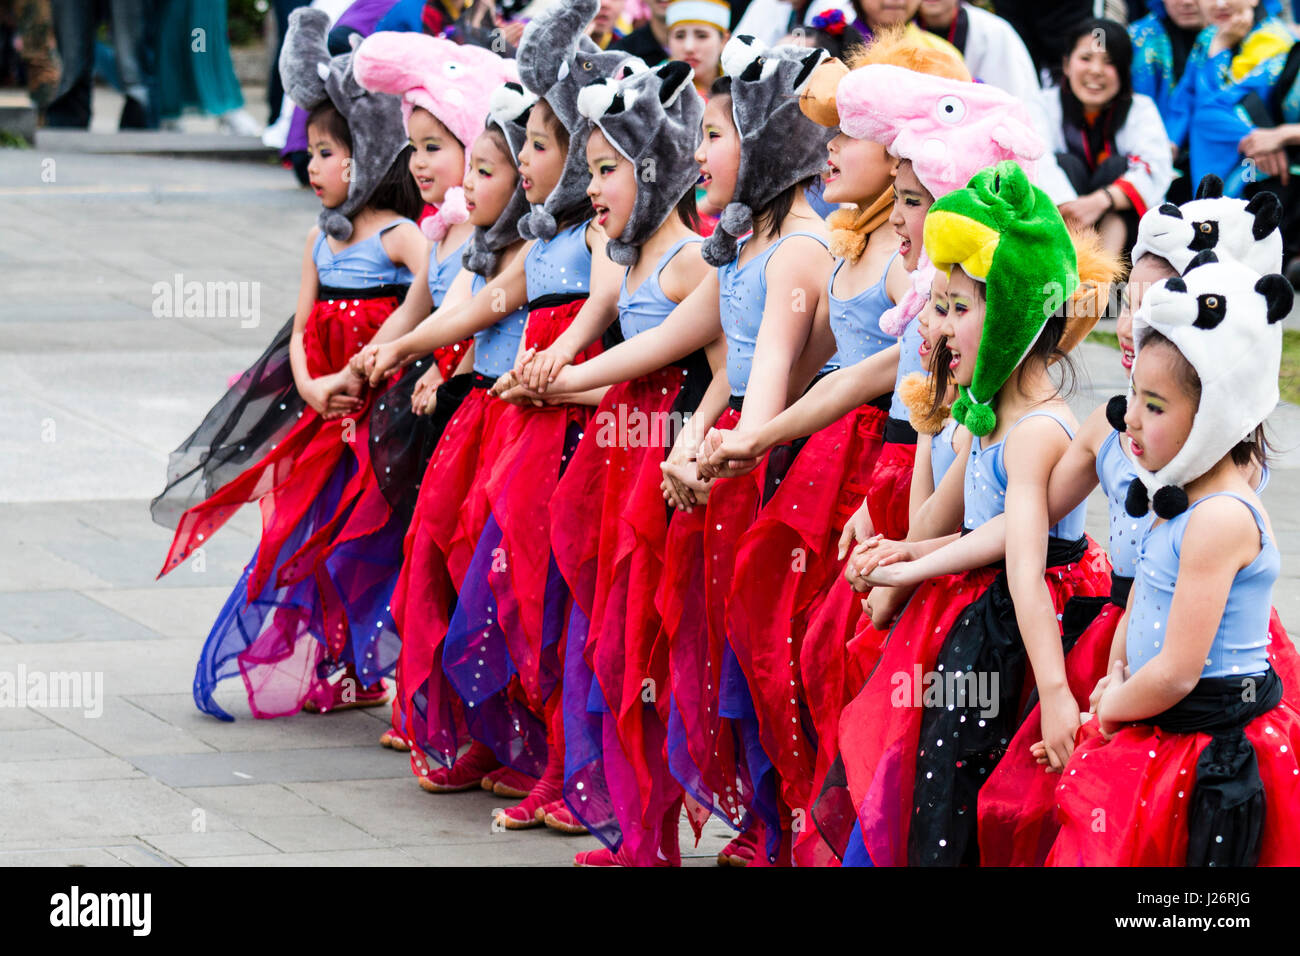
x=556 y=60
x=653 y=120
x=1247 y=231
x=948 y=128
x=312 y=77
x=1006 y=233
x=508 y=108
x=451 y=82
x=779 y=145
x=1226 y=320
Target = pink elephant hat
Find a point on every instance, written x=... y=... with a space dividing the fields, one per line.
x=452 y=82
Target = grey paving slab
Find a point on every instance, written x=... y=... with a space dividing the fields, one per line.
x=128 y=730
x=84 y=856
x=261 y=766
x=52 y=743
x=87 y=809
x=210 y=843
x=309 y=833
x=43 y=616
x=174 y=612
x=344 y=729
x=260 y=800
x=67 y=769
x=330 y=858
x=129 y=667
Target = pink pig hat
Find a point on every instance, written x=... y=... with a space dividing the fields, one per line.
x=949 y=129
x=452 y=82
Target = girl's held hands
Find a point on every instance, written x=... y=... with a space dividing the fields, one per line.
x=1059 y=721
x=333 y=396
x=726 y=453
x=425 y=397
x=538 y=370
x=382 y=361
x=857 y=529
x=1115 y=680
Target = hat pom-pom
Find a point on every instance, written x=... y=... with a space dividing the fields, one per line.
x=622 y=253
x=1136 y=502
x=434 y=227
x=978 y=418
x=1116 y=409
x=336 y=225
x=1169 y=502
x=737 y=219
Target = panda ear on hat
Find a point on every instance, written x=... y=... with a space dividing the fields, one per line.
x=1225 y=320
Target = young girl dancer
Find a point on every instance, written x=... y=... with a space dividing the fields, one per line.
x=501 y=592
x=915 y=773
x=440 y=538
x=445 y=92
x=303 y=483
x=1190 y=759
x=615 y=782
x=779 y=276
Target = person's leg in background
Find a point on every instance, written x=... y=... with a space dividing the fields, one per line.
x=74 y=29
x=274 y=88
x=35 y=23
x=129 y=34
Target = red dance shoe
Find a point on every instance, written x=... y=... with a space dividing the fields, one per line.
x=328 y=697
x=465 y=774
x=507 y=782
x=558 y=816
x=741 y=850
x=530 y=812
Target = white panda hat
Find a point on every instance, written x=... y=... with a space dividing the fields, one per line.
x=1247 y=231
x=1226 y=320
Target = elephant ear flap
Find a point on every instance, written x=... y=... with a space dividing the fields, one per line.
x=1279 y=295
x=305 y=57
x=1210 y=187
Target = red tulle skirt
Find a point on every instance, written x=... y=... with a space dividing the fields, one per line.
x=786 y=564
x=450 y=514
x=879 y=737
x=699 y=559
x=521 y=488
x=1124 y=802
x=612 y=566
x=890 y=488
x=1017 y=808
x=287 y=480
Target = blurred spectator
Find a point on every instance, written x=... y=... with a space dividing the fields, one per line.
x=871 y=16
x=194 y=66
x=75 y=25
x=1109 y=142
x=274 y=88
x=649 y=42
x=32 y=22
x=608 y=26
x=1231 y=76
x=1044 y=27
x=993 y=51
x=772 y=20
x=1163 y=40
x=697 y=30
x=830 y=31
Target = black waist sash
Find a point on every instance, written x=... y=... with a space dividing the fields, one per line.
x=395 y=290
x=1225 y=821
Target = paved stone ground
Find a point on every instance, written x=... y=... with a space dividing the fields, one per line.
x=94 y=391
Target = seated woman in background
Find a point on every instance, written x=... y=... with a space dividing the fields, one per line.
x=1110 y=143
x=1163 y=40
x=1231 y=75
x=697 y=32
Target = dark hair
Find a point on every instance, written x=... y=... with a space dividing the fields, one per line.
x=688 y=212
x=940 y=376
x=842 y=47
x=580 y=210
x=1254 y=449
x=1116 y=45
x=331 y=121
x=396 y=189
x=498 y=137
x=771 y=214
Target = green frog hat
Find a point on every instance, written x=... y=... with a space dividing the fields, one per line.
x=1005 y=232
